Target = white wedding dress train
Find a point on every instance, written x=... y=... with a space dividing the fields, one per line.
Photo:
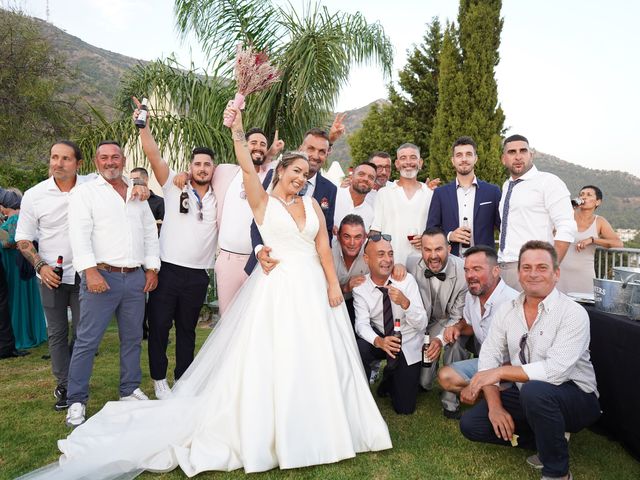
x=278 y=383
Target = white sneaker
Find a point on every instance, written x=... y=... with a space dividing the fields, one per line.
x=162 y=389
x=75 y=415
x=137 y=394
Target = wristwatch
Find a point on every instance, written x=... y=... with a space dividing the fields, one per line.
x=154 y=270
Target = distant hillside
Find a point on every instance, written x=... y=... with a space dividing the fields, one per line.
x=99 y=72
x=621 y=190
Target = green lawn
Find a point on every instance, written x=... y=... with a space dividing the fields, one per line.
x=426 y=445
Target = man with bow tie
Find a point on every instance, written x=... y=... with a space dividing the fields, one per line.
x=442 y=285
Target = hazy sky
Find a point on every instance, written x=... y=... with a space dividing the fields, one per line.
x=567 y=79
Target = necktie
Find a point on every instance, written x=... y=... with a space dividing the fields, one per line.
x=505 y=213
x=304 y=189
x=440 y=275
x=387 y=314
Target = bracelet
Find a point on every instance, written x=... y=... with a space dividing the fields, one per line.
x=39 y=266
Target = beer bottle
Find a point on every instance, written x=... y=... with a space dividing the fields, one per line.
x=466 y=226
x=141 y=121
x=396 y=330
x=58 y=268
x=426 y=361
x=184 y=201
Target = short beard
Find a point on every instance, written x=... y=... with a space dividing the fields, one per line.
x=361 y=191
x=201 y=182
x=409 y=174
x=258 y=161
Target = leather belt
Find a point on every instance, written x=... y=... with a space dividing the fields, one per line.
x=110 y=268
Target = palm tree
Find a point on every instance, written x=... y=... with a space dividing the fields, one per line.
x=314 y=49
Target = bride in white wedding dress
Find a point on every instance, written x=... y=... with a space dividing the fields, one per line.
x=278 y=383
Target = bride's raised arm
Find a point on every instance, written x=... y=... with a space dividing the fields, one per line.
x=256 y=195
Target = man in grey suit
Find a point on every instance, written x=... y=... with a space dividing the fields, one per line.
x=442 y=285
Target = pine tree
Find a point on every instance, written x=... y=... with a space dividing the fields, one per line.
x=479 y=37
x=409 y=116
x=451 y=111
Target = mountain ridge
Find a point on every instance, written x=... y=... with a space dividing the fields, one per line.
x=98 y=73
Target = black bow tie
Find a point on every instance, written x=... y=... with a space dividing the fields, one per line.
x=440 y=275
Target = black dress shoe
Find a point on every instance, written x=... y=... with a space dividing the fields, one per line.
x=452 y=414
x=14 y=353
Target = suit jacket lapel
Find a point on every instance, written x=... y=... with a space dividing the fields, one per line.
x=453 y=201
x=447 y=286
x=476 y=202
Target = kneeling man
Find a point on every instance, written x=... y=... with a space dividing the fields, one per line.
x=487 y=291
x=377 y=302
x=546 y=336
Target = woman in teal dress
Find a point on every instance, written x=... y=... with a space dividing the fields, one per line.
x=27 y=315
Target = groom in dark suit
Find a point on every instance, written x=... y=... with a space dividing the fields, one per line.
x=316 y=145
x=465 y=197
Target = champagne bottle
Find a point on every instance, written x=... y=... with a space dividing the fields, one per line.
x=141 y=121
x=184 y=201
x=426 y=361
x=58 y=268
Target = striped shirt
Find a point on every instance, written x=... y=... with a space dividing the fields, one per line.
x=557 y=345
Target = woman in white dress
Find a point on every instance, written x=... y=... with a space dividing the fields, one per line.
x=577 y=269
x=278 y=383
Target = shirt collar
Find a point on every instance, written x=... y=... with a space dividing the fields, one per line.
x=495 y=294
x=533 y=171
x=474 y=182
x=312 y=180
x=547 y=304
x=372 y=286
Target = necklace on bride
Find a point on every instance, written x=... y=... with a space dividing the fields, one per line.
x=285 y=203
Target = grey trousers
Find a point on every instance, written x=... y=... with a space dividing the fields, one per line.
x=125 y=299
x=55 y=302
x=453 y=352
x=509 y=273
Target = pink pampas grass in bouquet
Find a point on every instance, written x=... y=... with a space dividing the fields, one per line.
x=253 y=74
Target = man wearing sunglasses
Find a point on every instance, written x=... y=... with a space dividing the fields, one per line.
x=378 y=301
x=187 y=249
x=547 y=338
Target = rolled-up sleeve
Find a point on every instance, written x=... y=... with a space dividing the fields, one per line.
x=151 y=243
x=27 y=228
x=557 y=201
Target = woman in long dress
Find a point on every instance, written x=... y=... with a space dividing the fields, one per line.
x=279 y=382
x=577 y=269
x=27 y=314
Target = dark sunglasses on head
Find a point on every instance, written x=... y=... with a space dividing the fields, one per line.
x=376 y=237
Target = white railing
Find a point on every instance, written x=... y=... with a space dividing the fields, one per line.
x=607 y=258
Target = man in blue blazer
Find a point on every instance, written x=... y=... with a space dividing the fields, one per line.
x=466 y=197
x=316 y=145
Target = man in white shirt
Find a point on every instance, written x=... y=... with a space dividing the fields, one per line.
x=533 y=206
x=352 y=199
x=546 y=338
x=43 y=217
x=377 y=302
x=486 y=292
x=187 y=250
x=114 y=242
x=401 y=209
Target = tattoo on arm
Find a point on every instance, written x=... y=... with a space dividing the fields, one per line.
x=239 y=135
x=28 y=251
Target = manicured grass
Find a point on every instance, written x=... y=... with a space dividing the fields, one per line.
x=426 y=445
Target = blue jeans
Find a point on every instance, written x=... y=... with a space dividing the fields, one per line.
x=466 y=368
x=125 y=299
x=542 y=412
